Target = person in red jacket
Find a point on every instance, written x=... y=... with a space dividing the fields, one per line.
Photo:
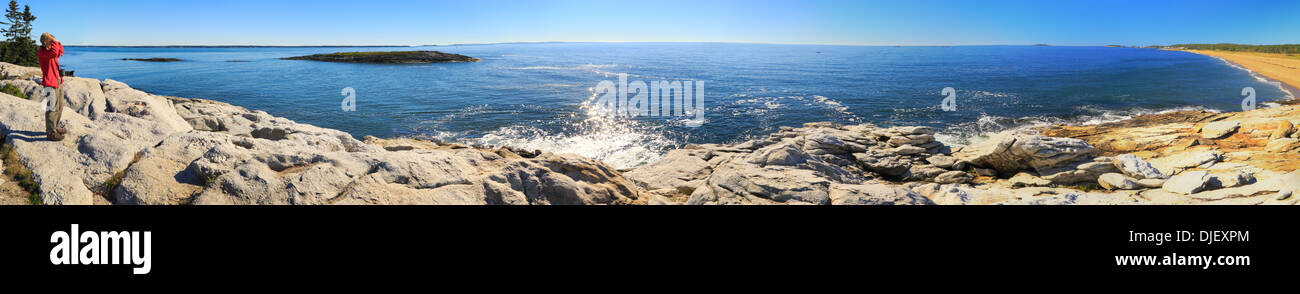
x=52 y=77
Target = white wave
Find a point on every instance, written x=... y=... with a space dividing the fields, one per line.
x=764 y=105
x=1259 y=77
x=620 y=142
x=978 y=94
x=617 y=142
x=986 y=126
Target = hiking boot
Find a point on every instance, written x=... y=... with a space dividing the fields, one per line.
x=57 y=135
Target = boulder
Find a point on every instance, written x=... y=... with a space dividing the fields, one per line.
x=908 y=150
x=1178 y=162
x=875 y=194
x=17 y=72
x=1235 y=178
x=1282 y=145
x=85 y=96
x=785 y=154
x=1188 y=182
x=923 y=173
x=1115 y=181
x=27 y=87
x=1283 y=130
x=1084 y=171
x=1025 y=179
x=954 y=177
x=914 y=140
x=831 y=141
x=1151 y=183
x=1009 y=152
x=768 y=177
x=946 y=162
x=162 y=177
x=1137 y=168
x=681 y=170
x=883 y=163
x=123 y=99
x=1220 y=129
x=736 y=183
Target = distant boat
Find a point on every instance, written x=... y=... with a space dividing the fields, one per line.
x=1041 y=45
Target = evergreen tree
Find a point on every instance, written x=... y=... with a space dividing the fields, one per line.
x=18 y=47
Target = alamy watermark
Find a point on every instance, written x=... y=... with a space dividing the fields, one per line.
x=655 y=99
x=950 y=99
x=349 y=103
x=47 y=98
x=77 y=247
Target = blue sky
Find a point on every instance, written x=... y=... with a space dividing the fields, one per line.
x=868 y=22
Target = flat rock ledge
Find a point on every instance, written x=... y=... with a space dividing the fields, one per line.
x=126 y=146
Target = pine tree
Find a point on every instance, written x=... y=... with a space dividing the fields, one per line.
x=18 y=47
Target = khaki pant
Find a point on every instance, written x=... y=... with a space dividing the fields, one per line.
x=52 y=116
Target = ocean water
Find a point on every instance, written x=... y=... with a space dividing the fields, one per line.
x=540 y=96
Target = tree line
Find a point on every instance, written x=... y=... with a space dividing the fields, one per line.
x=1281 y=49
x=18 y=46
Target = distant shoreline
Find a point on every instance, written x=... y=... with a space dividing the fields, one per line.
x=1274 y=67
x=579 y=42
x=243 y=46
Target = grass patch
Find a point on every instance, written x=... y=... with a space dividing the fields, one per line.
x=1085 y=187
x=110 y=185
x=11 y=90
x=14 y=169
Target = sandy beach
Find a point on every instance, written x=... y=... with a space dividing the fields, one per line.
x=1279 y=67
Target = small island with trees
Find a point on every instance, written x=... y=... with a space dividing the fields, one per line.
x=155 y=59
x=394 y=57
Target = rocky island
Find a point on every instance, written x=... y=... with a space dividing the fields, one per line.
x=388 y=57
x=126 y=146
x=155 y=59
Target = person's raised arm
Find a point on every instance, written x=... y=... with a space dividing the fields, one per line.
x=56 y=48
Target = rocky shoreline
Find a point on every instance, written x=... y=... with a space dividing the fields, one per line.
x=126 y=146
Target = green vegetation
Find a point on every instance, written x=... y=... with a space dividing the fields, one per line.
x=376 y=53
x=11 y=90
x=14 y=169
x=1085 y=187
x=1279 y=49
x=18 y=46
x=110 y=185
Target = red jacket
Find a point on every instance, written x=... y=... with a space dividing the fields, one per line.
x=49 y=59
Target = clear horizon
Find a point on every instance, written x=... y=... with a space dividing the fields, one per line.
x=819 y=22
